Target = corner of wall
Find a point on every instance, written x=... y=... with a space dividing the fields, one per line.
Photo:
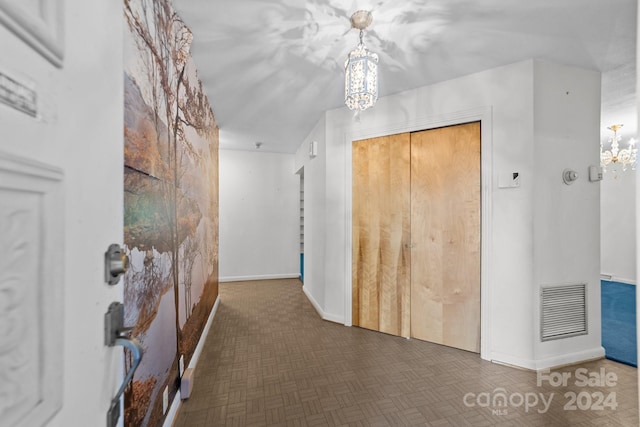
x=336 y=318
x=566 y=218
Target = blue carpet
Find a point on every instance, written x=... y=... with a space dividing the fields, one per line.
x=619 y=322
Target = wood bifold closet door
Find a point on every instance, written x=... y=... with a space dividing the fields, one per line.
x=381 y=232
x=416 y=235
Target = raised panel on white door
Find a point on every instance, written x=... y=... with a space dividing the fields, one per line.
x=31 y=257
x=38 y=23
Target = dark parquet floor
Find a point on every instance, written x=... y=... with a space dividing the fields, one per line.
x=270 y=360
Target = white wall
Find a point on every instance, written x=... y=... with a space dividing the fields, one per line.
x=566 y=225
x=259 y=216
x=314 y=215
x=618 y=225
x=80 y=131
x=510 y=93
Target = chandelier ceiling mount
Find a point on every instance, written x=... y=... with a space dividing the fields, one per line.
x=361 y=19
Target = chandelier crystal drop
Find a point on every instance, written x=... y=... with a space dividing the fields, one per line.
x=361 y=69
x=626 y=156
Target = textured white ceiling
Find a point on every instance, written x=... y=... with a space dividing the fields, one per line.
x=272 y=67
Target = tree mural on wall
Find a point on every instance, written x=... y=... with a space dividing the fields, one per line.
x=170 y=197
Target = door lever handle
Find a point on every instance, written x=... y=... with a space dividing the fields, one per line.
x=116 y=334
x=136 y=351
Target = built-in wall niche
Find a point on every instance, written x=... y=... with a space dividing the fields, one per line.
x=301 y=173
x=302 y=213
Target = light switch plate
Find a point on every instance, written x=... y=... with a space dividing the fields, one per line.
x=595 y=173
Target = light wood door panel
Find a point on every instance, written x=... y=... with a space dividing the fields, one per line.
x=381 y=233
x=445 y=225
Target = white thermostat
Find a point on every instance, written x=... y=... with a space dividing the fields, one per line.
x=509 y=180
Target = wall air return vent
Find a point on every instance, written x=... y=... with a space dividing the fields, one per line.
x=563 y=311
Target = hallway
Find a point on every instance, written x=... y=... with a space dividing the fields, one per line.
x=270 y=360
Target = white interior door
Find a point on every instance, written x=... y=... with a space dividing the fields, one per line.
x=61 y=127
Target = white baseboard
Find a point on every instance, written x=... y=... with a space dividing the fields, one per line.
x=203 y=337
x=570 y=358
x=514 y=362
x=177 y=400
x=325 y=316
x=334 y=318
x=313 y=301
x=173 y=410
x=548 y=363
x=258 y=277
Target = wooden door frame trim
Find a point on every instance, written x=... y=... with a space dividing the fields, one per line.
x=485 y=116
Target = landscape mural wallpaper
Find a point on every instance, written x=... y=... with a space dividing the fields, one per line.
x=170 y=203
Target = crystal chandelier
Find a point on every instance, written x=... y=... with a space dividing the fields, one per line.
x=361 y=69
x=626 y=157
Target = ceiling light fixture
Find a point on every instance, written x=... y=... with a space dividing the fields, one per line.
x=361 y=69
x=626 y=157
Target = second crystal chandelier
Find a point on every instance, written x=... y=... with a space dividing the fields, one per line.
x=626 y=156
